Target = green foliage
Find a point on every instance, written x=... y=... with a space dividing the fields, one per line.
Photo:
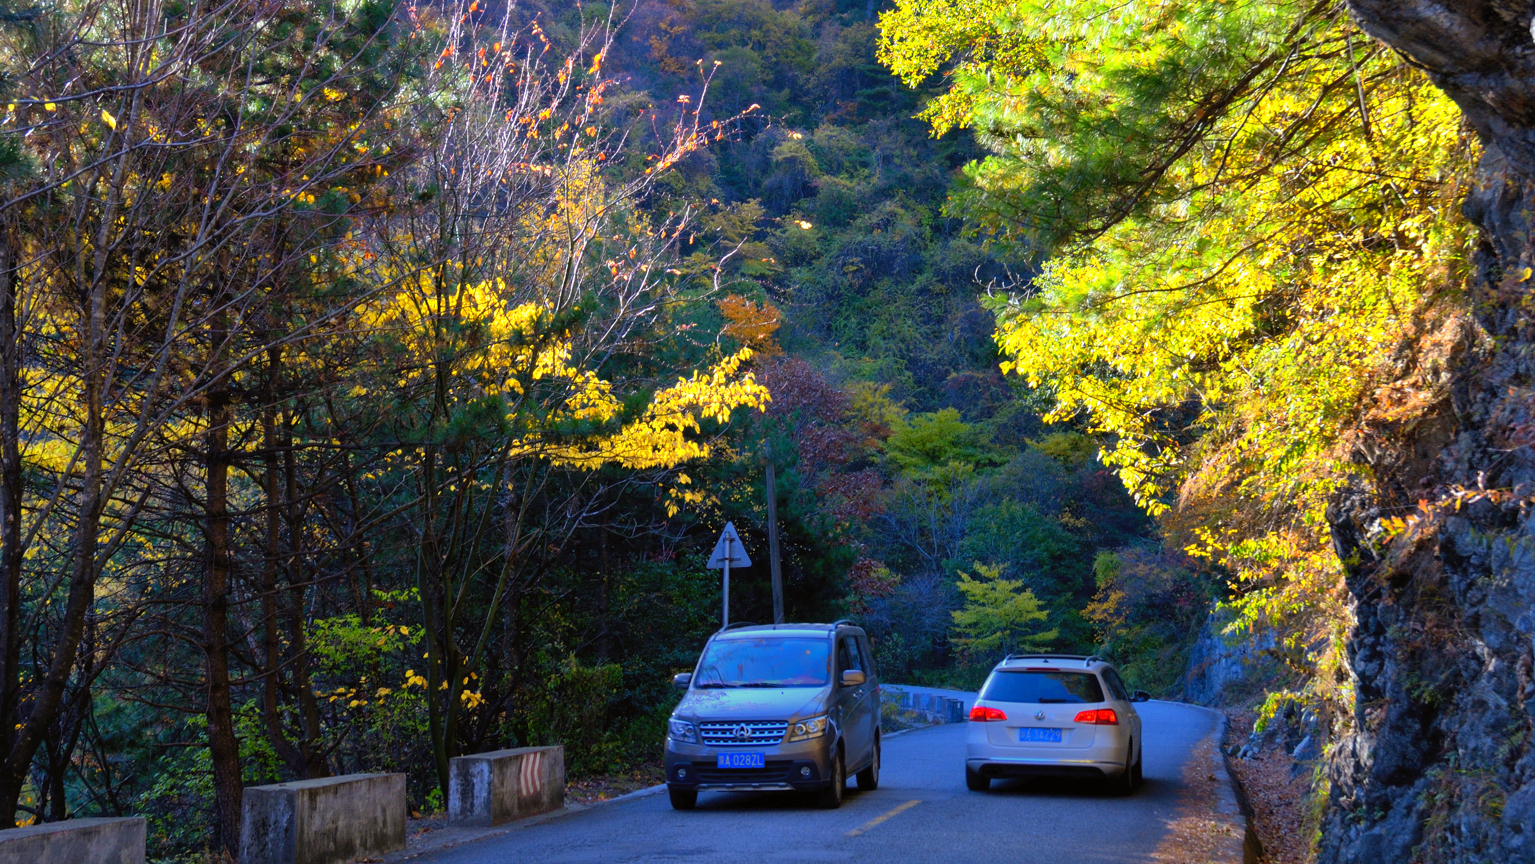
x=1149 y=609
x=575 y=712
x=999 y=617
x=928 y=441
x=1070 y=448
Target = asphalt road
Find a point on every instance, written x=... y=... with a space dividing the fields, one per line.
x=920 y=813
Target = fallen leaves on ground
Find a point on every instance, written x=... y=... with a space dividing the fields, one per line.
x=1278 y=802
x=601 y=787
x=1198 y=833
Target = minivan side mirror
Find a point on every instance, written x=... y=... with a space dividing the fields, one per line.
x=682 y=680
x=853 y=678
x=1140 y=696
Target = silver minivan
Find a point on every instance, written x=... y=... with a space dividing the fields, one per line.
x=777 y=707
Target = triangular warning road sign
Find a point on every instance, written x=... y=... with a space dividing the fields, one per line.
x=729 y=548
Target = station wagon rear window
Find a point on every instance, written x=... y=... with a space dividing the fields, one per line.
x=1043 y=687
x=772 y=662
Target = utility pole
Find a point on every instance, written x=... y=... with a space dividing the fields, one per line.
x=772 y=508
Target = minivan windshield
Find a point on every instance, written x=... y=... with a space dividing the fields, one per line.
x=1042 y=687
x=770 y=662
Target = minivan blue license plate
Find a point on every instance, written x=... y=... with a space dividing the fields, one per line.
x=1052 y=736
x=745 y=760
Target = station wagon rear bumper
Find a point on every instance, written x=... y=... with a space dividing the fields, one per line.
x=995 y=767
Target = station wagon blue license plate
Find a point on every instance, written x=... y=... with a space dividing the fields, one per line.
x=740 y=760
x=1052 y=736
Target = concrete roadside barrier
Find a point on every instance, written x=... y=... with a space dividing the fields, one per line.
x=921 y=705
x=956 y=710
x=489 y=789
x=75 y=841
x=335 y=820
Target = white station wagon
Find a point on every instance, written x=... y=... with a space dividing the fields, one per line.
x=1054 y=715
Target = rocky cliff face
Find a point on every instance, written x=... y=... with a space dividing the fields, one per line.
x=1441 y=765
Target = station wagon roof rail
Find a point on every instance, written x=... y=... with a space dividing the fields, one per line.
x=1087 y=659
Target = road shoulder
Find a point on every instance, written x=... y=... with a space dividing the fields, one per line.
x=1211 y=825
x=438 y=839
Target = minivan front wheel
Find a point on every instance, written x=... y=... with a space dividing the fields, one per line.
x=868 y=778
x=831 y=797
x=682 y=799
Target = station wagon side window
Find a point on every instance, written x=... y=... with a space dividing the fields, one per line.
x=1116 y=686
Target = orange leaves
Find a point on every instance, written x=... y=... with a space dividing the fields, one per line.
x=750 y=324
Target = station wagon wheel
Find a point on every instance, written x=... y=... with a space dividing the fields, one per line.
x=975 y=781
x=1136 y=774
x=831 y=797
x=1124 y=784
x=868 y=778
x=682 y=799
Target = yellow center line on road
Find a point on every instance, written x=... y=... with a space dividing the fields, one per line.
x=878 y=819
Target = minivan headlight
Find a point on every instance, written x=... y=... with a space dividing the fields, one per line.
x=812 y=728
x=682 y=731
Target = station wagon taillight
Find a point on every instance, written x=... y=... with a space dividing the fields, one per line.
x=1098 y=717
x=986 y=713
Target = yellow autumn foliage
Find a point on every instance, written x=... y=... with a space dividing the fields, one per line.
x=1245 y=213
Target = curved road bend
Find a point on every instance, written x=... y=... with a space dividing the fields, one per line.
x=921 y=814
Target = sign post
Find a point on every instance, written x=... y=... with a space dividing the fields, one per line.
x=728 y=551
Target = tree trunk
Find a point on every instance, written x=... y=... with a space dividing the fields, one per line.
x=313 y=745
x=773 y=567
x=271 y=701
x=11 y=553
x=49 y=695
x=604 y=647
x=223 y=747
x=511 y=646
x=360 y=547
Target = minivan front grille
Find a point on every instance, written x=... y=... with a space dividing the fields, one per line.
x=773 y=771
x=730 y=734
